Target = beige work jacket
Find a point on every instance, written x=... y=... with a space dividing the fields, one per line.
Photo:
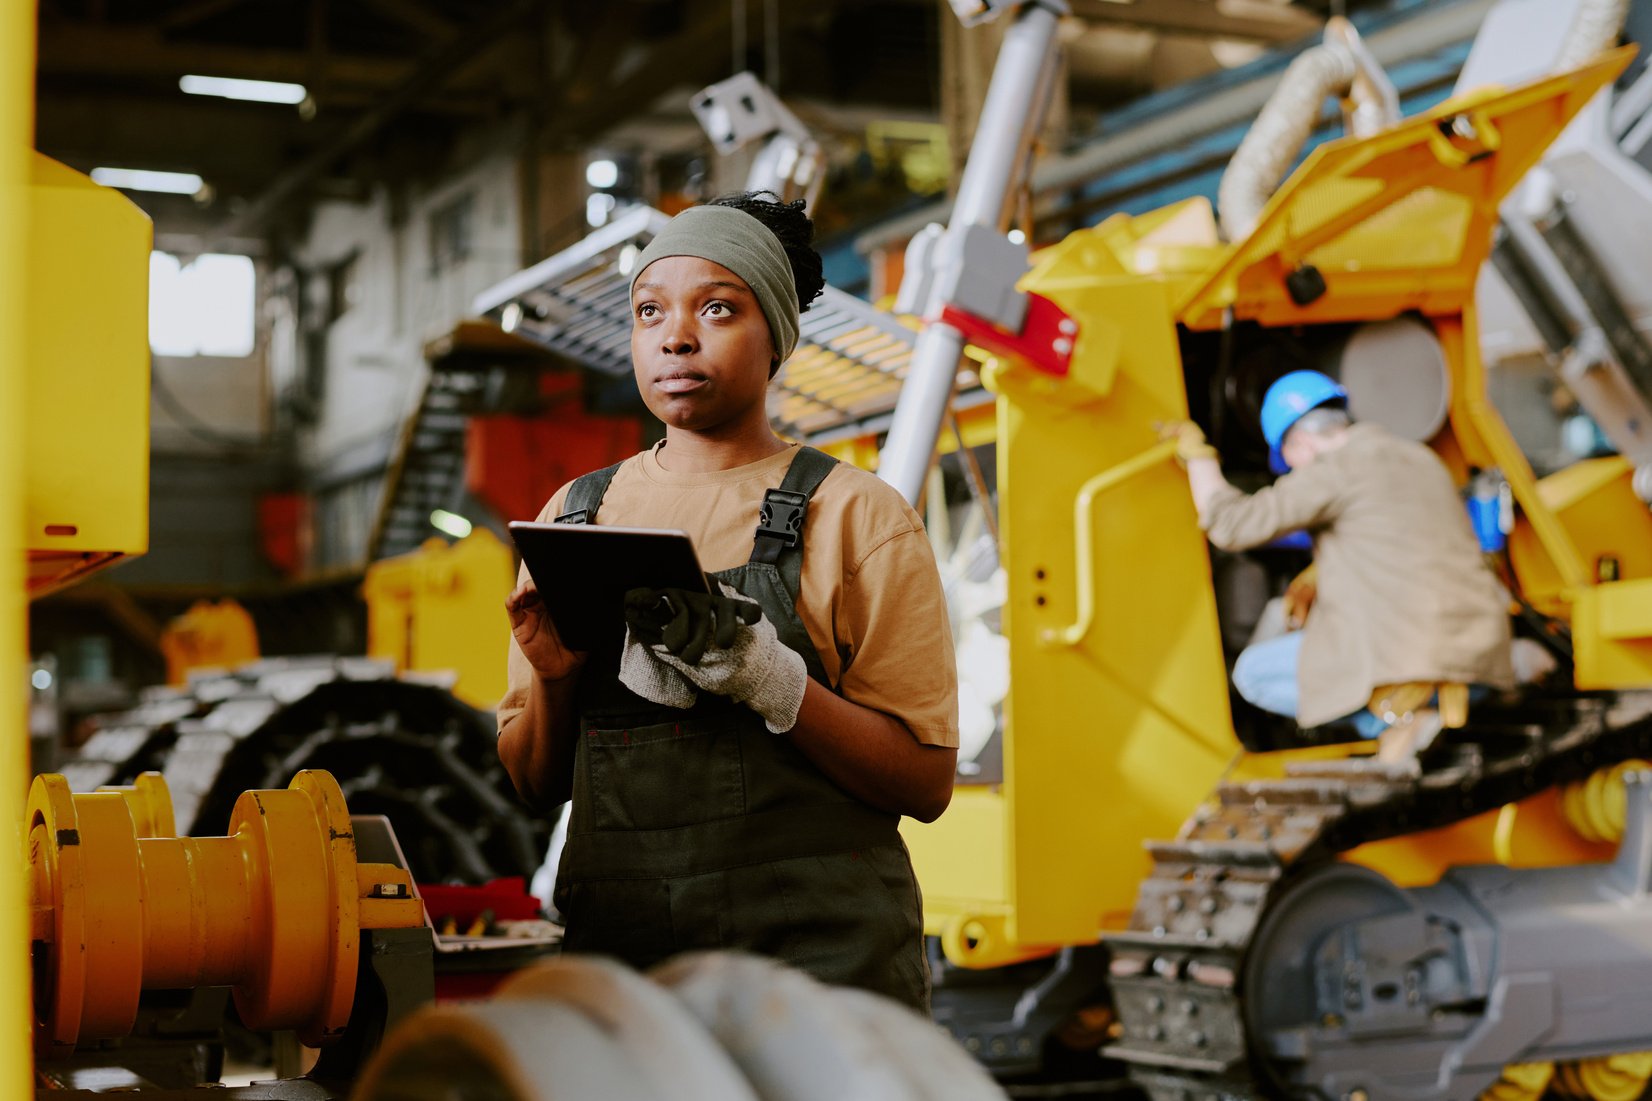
x=1403 y=592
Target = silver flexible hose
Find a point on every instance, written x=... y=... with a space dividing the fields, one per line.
x=1279 y=133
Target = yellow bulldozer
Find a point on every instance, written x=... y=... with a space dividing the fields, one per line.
x=1216 y=904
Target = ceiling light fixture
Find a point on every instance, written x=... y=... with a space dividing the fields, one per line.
x=258 y=91
x=450 y=523
x=143 y=179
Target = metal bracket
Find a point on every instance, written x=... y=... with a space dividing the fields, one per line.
x=1045 y=339
x=975 y=270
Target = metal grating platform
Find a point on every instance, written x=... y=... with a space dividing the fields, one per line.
x=843 y=379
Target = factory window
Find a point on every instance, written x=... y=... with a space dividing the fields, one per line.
x=203 y=308
x=452 y=232
x=343 y=286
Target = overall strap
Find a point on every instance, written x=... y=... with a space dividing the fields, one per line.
x=779 y=538
x=585 y=496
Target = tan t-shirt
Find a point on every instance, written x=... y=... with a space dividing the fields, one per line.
x=870 y=595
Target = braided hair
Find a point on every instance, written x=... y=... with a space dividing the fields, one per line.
x=794 y=230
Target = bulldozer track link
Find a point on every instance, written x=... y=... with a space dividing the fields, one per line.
x=1177 y=973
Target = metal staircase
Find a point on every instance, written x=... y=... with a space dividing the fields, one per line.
x=429 y=470
x=473 y=369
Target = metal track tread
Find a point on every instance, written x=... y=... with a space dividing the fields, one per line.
x=291 y=1089
x=1177 y=973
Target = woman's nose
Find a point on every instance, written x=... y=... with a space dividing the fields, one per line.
x=677 y=339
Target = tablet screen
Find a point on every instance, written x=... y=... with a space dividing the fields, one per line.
x=583 y=572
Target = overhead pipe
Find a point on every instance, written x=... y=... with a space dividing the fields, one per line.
x=429 y=76
x=1595 y=29
x=1279 y=132
x=1373 y=103
x=1341 y=66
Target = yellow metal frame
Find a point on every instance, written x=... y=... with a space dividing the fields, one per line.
x=16 y=129
x=1113 y=639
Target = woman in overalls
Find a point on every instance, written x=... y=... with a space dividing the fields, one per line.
x=739 y=767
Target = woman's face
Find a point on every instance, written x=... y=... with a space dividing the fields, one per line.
x=700 y=346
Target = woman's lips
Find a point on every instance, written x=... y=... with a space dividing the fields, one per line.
x=679 y=384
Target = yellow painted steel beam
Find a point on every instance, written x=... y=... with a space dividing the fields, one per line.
x=16 y=139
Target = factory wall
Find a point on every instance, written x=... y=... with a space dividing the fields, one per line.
x=379 y=279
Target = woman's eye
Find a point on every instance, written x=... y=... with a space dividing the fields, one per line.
x=720 y=307
x=647 y=309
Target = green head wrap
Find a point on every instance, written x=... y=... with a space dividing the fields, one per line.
x=744 y=246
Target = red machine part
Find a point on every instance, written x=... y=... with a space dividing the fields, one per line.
x=1046 y=338
x=514 y=463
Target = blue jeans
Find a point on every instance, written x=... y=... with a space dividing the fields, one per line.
x=1265 y=674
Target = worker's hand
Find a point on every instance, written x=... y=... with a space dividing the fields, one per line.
x=642 y=671
x=536 y=635
x=1300 y=595
x=1190 y=440
x=686 y=622
x=736 y=654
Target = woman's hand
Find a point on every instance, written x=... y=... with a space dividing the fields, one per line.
x=536 y=635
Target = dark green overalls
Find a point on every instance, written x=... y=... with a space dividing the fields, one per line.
x=698 y=829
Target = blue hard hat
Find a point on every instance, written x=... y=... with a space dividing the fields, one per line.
x=1287 y=400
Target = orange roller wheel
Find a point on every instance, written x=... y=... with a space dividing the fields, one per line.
x=1608 y=1078
x=1520 y=1082
x=274 y=910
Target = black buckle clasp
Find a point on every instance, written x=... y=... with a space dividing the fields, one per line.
x=782 y=516
x=577 y=516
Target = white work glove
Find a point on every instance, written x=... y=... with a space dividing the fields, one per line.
x=652 y=679
x=754 y=668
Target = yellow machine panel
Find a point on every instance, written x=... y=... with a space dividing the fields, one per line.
x=1112 y=640
x=1596 y=504
x=441 y=608
x=86 y=390
x=210 y=635
x=1401 y=220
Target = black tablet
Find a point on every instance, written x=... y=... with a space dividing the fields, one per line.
x=583 y=572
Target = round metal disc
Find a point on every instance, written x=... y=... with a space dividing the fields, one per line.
x=1395 y=374
x=333 y=817
x=58 y=877
x=1279 y=970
